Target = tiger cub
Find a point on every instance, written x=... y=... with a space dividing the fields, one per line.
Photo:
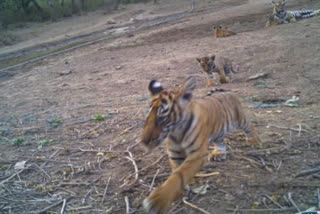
x=219 y=32
x=216 y=64
x=187 y=126
x=282 y=16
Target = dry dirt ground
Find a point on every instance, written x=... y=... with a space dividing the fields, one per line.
x=79 y=165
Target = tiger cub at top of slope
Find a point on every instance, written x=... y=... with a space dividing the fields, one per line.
x=219 y=32
x=216 y=64
x=282 y=16
x=188 y=126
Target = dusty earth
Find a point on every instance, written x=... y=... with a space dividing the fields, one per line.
x=77 y=164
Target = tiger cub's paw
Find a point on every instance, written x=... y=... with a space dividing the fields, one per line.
x=253 y=140
x=219 y=153
x=156 y=203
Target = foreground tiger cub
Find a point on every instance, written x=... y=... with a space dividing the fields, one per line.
x=187 y=126
x=219 y=65
x=282 y=16
x=219 y=32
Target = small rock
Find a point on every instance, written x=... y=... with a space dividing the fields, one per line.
x=64 y=73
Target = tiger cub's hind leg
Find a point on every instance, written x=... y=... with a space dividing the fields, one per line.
x=252 y=136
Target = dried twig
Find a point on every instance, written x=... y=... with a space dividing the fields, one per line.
x=79 y=208
x=63 y=206
x=263 y=210
x=44 y=210
x=276 y=203
x=86 y=196
x=292 y=202
x=318 y=196
x=147 y=167
x=105 y=190
x=194 y=206
x=205 y=175
x=153 y=179
x=126 y=200
x=307 y=172
x=287 y=128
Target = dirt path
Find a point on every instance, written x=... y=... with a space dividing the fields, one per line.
x=51 y=105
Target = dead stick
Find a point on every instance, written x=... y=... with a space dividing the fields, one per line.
x=307 y=172
x=153 y=179
x=126 y=200
x=135 y=169
x=292 y=202
x=318 y=194
x=287 y=128
x=263 y=210
x=194 y=206
x=154 y=163
x=44 y=210
x=200 y=175
x=105 y=190
x=276 y=203
x=63 y=206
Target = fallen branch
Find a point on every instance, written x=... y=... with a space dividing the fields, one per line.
x=287 y=128
x=194 y=206
x=292 y=202
x=263 y=210
x=205 y=175
x=63 y=206
x=105 y=190
x=276 y=203
x=44 y=210
x=153 y=179
x=147 y=167
x=258 y=75
x=318 y=196
x=126 y=200
x=307 y=172
x=135 y=169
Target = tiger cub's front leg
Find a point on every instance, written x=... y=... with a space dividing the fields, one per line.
x=160 y=199
x=210 y=78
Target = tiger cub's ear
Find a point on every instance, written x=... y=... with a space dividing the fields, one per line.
x=155 y=87
x=198 y=59
x=186 y=90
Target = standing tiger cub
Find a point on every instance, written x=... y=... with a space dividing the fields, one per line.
x=219 y=32
x=187 y=126
x=216 y=64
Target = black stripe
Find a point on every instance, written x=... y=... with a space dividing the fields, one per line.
x=175 y=151
x=192 y=142
x=177 y=158
x=187 y=127
x=173 y=139
x=194 y=150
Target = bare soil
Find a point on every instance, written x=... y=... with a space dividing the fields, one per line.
x=47 y=110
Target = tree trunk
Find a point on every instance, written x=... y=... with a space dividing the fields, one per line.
x=193 y=5
x=116 y=5
x=37 y=5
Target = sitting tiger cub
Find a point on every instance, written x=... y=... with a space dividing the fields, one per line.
x=282 y=16
x=187 y=126
x=216 y=64
x=219 y=32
